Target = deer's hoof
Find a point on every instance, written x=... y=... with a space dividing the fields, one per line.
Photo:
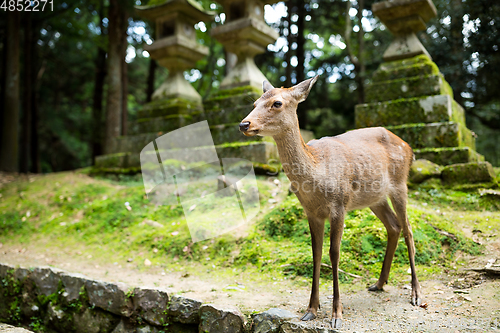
x=375 y=288
x=308 y=316
x=416 y=301
x=336 y=323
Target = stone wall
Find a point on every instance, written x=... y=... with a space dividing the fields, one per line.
x=52 y=300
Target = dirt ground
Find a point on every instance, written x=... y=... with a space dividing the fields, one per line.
x=464 y=301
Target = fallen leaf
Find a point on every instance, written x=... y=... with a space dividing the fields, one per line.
x=424 y=305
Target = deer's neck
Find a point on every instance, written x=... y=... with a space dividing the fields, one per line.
x=296 y=157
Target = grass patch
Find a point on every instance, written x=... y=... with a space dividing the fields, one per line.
x=77 y=210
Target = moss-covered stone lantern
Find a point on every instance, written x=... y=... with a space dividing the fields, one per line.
x=404 y=18
x=409 y=96
x=175 y=47
x=246 y=34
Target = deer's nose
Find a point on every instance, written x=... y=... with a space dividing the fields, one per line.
x=244 y=126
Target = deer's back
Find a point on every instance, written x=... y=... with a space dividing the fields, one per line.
x=365 y=164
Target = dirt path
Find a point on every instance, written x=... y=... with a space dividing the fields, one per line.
x=476 y=310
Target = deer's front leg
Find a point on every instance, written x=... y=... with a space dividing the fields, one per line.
x=336 y=230
x=317 y=228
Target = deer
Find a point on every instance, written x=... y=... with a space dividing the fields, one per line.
x=334 y=175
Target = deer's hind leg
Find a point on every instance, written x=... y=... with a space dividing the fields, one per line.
x=399 y=199
x=384 y=212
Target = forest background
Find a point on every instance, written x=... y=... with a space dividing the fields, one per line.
x=80 y=68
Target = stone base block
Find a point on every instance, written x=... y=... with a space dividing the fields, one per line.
x=428 y=109
x=399 y=69
x=422 y=170
x=446 y=134
x=264 y=155
x=165 y=107
x=220 y=135
x=428 y=85
x=468 y=173
x=447 y=156
x=163 y=124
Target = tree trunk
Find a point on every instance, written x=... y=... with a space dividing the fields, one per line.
x=27 y=100
x=288 y=54
x=100 y=76
x=360 y=69
x=456 y=76
x=36 y=166
x=301 y=41
x=150 y=89
x=124 y=96
x=9 y=151
x=115 y=90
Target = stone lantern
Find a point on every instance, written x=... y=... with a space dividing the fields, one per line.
x=404 y=18
x=175 y=47
x=246 y=34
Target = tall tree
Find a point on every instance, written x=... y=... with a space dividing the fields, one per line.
x=9 y=150
x=27 y=92
x=117 y=24
x=100 y=76
x=150 y=83
x=301 y=56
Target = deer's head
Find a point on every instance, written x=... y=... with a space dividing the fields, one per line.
x=275 y=111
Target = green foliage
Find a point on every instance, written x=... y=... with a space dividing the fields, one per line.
x=287 y=221
x=92 y=213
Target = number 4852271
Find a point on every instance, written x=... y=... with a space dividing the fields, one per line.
x=27 y=5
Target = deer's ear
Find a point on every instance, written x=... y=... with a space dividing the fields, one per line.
x=266 y=86
x=301 y=90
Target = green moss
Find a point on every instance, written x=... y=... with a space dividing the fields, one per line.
x=477 y=172
x=422 y=170
x=221 y=94
x=164 y=124
x=170 y=106
x=426 y=85
x=417 y=66
x=444 y=134
x=447 y=156
x=430 y=109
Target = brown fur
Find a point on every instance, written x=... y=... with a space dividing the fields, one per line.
x=334 y=175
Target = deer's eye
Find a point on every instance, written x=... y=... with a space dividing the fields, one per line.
x=277 y=104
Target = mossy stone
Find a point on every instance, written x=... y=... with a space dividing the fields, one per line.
x=429 y=109
x=417 y=66
x=444 y=134
x=230 y=133
x=416 y=86
x=422 y=170
x=447 y=155
x=476 y=172
x=164 y=124
x=165 y=107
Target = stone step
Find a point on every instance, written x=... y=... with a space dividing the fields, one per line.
x=417 y=66
x=220 y=134
x=160 y=108
x=447 y=156
x=425 y=85
x=428 y=109
x=162 y=124
x=468 y=173
x=229 y=115
x=228 y=99
x=257 y=152
x=435 y=135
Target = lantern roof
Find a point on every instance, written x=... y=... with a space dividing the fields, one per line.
x=157 y=9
